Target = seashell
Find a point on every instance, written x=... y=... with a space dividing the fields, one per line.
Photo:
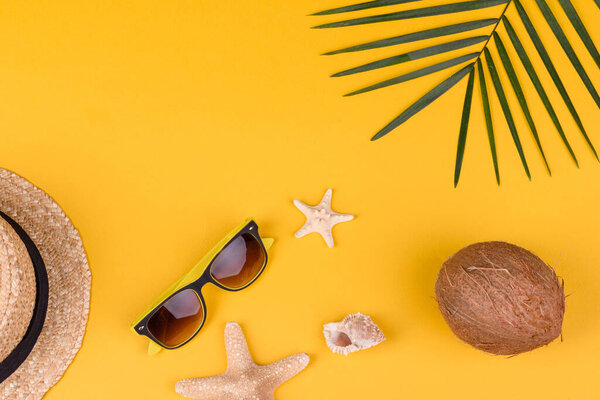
x=356 y=332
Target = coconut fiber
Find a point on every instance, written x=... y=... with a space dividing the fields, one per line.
x=500 y=298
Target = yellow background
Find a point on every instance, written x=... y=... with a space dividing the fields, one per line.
x=160 y=125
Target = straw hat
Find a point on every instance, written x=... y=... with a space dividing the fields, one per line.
x=44 y=290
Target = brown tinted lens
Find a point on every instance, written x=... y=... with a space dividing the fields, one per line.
x=177 y=319
x=238 y=263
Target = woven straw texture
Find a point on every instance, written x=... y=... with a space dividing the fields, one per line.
x=69 y=282
x=17 y=289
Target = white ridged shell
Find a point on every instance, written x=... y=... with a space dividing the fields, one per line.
x=356 y=332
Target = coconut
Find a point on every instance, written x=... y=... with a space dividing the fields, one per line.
x=500 y=298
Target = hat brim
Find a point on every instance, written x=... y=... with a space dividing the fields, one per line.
x=69 y=282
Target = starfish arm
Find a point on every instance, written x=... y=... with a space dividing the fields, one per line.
x=302 y=206
x=283 y=370
x=238 y=355
x=326 y=201
x=210 y=388
x=337 y=218
x=305 y=230
x=327 y=236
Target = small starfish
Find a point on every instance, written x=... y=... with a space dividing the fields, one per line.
x=321 y=218
x=243 y=379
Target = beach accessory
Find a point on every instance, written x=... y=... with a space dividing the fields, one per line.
x=243 y=379
x=356 y=332
x=320 y=218
x=44 y=290
x=180 y=312
x=491 y=54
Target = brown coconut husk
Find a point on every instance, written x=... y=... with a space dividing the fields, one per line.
x=500 y=298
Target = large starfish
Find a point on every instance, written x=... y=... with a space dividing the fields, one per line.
x=243 y=379
x=321 y=218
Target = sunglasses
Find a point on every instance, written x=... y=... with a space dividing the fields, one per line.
x=179 y=313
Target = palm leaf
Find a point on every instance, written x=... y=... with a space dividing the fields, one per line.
x=421 y=35
x=488 y=118
x=537 y=42
x=424 y=101
x=417 y=13
x=417 y=74
x=364 y=6
x=482 y=58
x=580 y=28
x=533 y=76
x=514 y=81
x=505 y=108
x=569 y=51
x=415 y=55
x=464 y=125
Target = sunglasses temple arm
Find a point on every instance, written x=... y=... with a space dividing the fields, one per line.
x=153 y=348
x=268 y=242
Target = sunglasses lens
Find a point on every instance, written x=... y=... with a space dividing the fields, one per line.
x=177 y=319
x=239 y=263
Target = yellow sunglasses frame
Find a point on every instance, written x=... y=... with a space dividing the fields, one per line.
x=193 y=275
